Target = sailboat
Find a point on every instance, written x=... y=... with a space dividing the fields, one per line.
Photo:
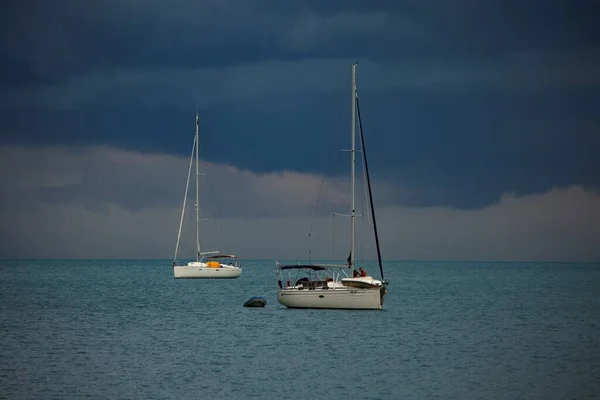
x=208 y=264
x=336 y=286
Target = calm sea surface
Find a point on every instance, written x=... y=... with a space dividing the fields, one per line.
x=125 y=329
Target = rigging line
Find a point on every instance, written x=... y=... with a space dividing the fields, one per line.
x=366 y=190
x=364 y=245
x=362 y=140
x=187 y=185
x=313 y=218
x=186 y=247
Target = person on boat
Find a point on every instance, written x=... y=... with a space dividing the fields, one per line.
x=362 y=272
x=356 y=274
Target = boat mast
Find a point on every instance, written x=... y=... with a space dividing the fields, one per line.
x=197 y=197
x=353 y=163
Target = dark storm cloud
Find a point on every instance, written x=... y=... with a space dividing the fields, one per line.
x=48 y=41
x=52 y=41
x=462 y=101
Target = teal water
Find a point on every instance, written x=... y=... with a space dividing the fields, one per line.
x=125 y=329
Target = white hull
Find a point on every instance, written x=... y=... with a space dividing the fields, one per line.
x=199 y=270
x=339 y=298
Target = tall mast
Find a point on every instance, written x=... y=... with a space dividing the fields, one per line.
x=353 y=162
x=197 y=197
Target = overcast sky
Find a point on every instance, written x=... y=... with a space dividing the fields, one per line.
x=481 y=121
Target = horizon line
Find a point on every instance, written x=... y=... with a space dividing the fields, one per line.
x=169 y=260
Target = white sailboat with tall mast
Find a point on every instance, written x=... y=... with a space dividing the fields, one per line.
x=209 y=264
x=336 y=286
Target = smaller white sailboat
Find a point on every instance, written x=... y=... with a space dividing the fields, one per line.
x=337 y=286
x=209 y=264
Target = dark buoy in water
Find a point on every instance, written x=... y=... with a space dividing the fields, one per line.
x=255 y=301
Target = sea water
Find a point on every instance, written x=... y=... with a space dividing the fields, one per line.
x=125 y=329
